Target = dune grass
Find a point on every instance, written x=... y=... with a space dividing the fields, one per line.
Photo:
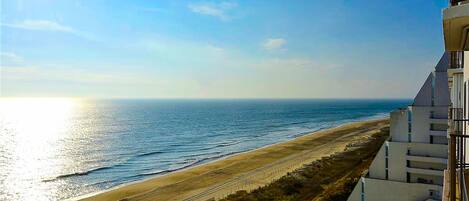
x=329 y=179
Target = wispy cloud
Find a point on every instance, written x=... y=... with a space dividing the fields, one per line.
x=42 y=25
x=47 y=25
x=219 y=10
x=10 y=57
x=274 y=43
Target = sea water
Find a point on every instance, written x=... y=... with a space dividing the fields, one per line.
x=54 y=149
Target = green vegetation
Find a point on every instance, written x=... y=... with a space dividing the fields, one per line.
x=329 y=179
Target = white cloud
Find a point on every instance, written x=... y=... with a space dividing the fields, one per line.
x=42 y=25
x=216 y=10
x=274 y=43
x=47 y=25
x=10 y=57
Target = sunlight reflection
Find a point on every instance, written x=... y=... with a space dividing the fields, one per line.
x=34 y=128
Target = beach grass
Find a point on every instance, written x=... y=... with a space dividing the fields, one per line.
x=331 y=178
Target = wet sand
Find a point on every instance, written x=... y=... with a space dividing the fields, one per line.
x=245 y=171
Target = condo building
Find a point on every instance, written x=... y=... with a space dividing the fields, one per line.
x=424 y=156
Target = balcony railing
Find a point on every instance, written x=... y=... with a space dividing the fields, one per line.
x=455 y=2
x=456 y=59
x=457 y=166
x=457 y=158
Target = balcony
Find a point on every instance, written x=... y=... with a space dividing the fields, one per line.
x=427 y=159
x=438 y=133
x=426 y=171
x=439 y=120
x=455 y=187
x=455 y=26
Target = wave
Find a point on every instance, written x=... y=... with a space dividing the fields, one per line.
x=226 y=144
x=81 y=173
x=150 y=153
x=87 y=172
x=162 y=172
x=202 y=154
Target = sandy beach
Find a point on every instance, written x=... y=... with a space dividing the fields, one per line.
x=245 y=171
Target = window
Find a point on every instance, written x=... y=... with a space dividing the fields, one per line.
x=409 y=125
x=363 y=190
x=433 y=88
x=386 y=161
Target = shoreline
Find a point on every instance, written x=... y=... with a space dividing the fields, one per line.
x=101 y=195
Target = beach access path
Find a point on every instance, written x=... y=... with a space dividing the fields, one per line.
x=245 y=171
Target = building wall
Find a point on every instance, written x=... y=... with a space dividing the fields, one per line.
x=457 y=90
x=409 y=165
x=385 y=190
x=399 y=126
x=440 y=140
x=397 y=161
x=466 y=77
x=421 y=122
x=435 y=150
x=465 y=94
x=377 y=167
x=420 y=164
x=417 y=178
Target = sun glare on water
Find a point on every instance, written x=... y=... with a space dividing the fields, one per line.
x=31 y=131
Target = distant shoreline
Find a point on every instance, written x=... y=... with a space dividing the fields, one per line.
x=134 y=188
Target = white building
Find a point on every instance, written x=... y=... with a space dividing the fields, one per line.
x=412 y=161
x=425 y=155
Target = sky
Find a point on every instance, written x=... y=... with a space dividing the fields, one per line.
x=218 y=49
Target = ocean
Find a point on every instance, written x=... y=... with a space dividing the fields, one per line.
x=55 y=149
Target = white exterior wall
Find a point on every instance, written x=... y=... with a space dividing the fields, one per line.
x=430 y=178
x=397 y=161
x=421 y=121
x=399 y=126
x=466 y=77
x=457 y=89
x=421 y=124
x=377 y=167
x=466 y=94
x=435 y=150
x=385 y=190
x=356 y=193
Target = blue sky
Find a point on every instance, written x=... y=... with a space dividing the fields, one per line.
x=218 y=49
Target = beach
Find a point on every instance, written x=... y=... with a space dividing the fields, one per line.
x=244 y=171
